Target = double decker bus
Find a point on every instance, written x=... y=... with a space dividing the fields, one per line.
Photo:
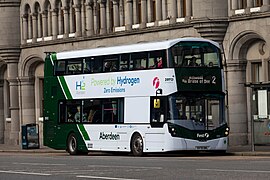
x=140 y=98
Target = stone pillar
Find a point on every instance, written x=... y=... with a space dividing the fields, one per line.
x=45 y=23
x=2 y=117
x=158 y=10
x=128 y=15
x=150 y=11
x=39 y=19
x=249 y=3
x=122 y=12
x=179 y=8
x=173 y=11
x=83 y=19
x=66 y=22
x=25 y=27
x=71 y=20
x=89 y=18
x=164 y=10
x=54 y=23
x=188 y=9
x=30 y=32
x=108 y=16
x=96 y=17
x=78 y=28
x=135 y=12
x=143 y=13
x=266 y=5
x=60 y=22
x=234 y=4
x=28 y=100
x=102 y=17
x=116 y=13
x=49 y=23
x=12 y=59
x=34 y=19
x=237 y=100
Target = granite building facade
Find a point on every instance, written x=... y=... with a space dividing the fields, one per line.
x=30 y=28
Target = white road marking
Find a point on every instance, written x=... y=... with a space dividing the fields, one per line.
x=231 y=170
x=40 y=164
x=26 y=173
x=133 y=167
x=100 y=177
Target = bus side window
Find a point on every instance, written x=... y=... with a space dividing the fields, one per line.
x=60 y=68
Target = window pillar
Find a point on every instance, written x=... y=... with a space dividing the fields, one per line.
x=89 y=19
x=71 y=19
x=25 y=27
x=78 y=28
x=144 y=13
x=34 y=19
x=150 y=10
x=116 y=13
x=66 y=22
x=102 y=17
x=164 y=9
x=158 y=10
x=83 y=19
x=128 y=14
x=234 y=4
x=265 y=6
x=188 y=8
x=173 y=11
x=135 y=12
x=60 y=21
x=45 y=23
x=54 y=23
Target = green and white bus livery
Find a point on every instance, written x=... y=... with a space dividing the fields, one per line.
x=147 y=97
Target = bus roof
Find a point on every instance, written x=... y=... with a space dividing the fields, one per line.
x=129 y=48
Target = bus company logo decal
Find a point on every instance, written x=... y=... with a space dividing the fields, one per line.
x=156 y=82
x=80 y=85
x=109 y=136
x=202 y=135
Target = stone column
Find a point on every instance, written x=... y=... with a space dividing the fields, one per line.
x=237 y=99
x=143 y=13
x=66 y=22
x=135 y=12
x=25 y=28
x=39 y=19
x=30 y=27
x=128 y=15
x=83 y=19
x=71 y=20
x=158 y=10
x=34 y=19
x=49 y=23
x=108 y=16
x=234 y=4
x=89 y=18
x=179 y=8
x=54 y=23
x=122 y=12
x=249 y=3
x=188 y=9
x=27 y=100
x=78 y=28
x=45 y=23
x=116 y=13
x=12 y=59
x=150 y=11
x=60 y=22
x=173 y=11
x=96 y=17
x=266 y=5
x=164 y=10
x=2 y=117
x=102 y=17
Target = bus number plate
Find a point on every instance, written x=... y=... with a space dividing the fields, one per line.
x=202 y=147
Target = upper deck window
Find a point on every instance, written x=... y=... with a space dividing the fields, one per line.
x=195 y=54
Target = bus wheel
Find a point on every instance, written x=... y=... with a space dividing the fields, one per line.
x=72 y=145
x=137 y=145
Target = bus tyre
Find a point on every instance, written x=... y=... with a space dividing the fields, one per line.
x=72 y=144
x=137 y=145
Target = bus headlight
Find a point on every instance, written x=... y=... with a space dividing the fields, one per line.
x=227 y=131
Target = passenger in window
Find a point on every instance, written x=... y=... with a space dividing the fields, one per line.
x=193 y=62
x=159 y=65
x=77 y=116
x=107 y=66
x=70 y=117
x=210 y=64
x=92 y=112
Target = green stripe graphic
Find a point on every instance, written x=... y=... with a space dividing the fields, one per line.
x=84 y=133
x=65 y=87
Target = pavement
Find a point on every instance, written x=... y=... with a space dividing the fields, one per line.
x=259 y=150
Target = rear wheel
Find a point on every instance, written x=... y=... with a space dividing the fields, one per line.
x=72 y=144
x=137 y=145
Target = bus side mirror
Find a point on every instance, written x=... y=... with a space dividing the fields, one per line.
x=156 y=103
